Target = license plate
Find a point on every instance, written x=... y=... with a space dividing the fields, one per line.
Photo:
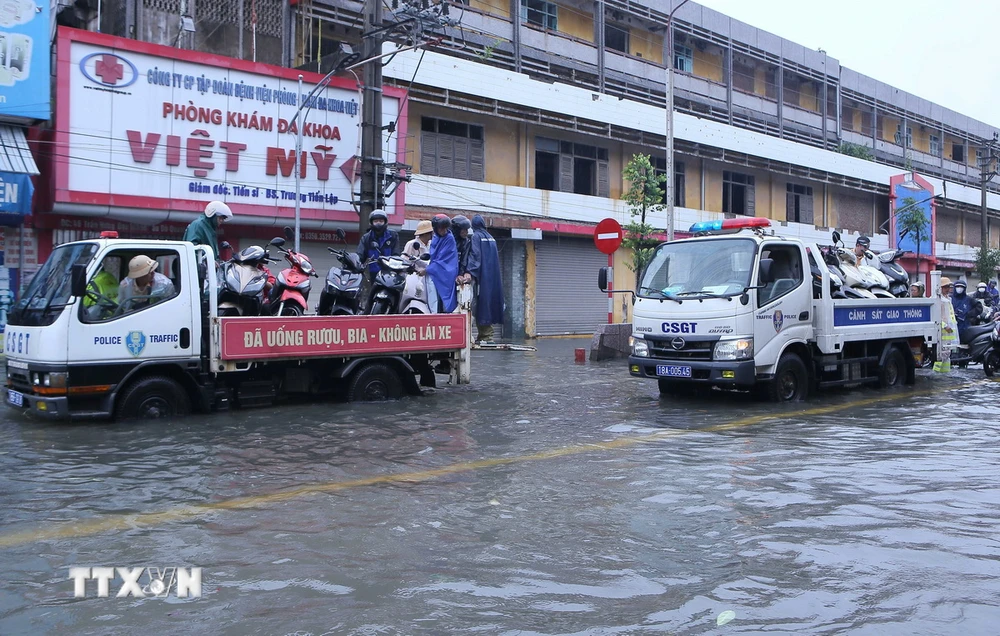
x=673 y=371
x=15 y=398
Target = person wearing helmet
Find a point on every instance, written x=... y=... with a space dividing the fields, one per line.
x=460 y=227
x=964 y=306
x=983 y=295
x=861 y=249
x=204 y=230
x=379 y=240
x=917 y=289
x=442 y=270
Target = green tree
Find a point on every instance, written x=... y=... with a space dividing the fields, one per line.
x=987 y=262
x=644 y=197
x=912 y=220
x=859 y=151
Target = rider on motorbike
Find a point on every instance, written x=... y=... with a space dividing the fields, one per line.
x=983 y=295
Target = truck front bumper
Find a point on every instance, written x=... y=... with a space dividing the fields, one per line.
x=54 y=408
x=741 y=374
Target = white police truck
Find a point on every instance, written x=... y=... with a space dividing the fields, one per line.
x=739 y=306
x=77 y=350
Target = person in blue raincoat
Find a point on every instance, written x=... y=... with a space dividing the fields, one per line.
x=484 y=267
x=442 y=270
x=379 y=240
x=964 y=306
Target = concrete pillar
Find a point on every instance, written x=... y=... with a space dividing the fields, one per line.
x=514 y=293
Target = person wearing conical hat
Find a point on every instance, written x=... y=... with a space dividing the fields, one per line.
x=949 y=329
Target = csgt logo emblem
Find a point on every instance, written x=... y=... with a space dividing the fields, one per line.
x=679 y=327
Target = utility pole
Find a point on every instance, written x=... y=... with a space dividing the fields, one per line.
x=372 y=196
x=987 y=170
x=670 y=120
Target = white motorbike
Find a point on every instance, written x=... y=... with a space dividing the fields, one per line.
x=853 y=276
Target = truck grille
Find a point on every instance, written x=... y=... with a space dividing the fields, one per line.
x=689 y=349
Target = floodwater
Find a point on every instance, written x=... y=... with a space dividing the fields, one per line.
x=545 y=498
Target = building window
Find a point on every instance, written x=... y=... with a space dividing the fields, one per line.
x=615 y=38
x=744 y=75
x=898 y=136
x=935 y=145
x=683 y=58
x=737 y=193
x=799 y=203
x=540 y=13
x=451 y=149
x=564 y=166
x=660 y=165
x=958 y=153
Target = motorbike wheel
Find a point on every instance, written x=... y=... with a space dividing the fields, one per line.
x=991 y=363
x=230 y=311
x=379 y=307
x=289 y=309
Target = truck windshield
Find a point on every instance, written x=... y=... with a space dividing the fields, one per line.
x=50 y=289
x=711 y=267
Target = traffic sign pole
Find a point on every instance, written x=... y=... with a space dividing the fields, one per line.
x=608 y=238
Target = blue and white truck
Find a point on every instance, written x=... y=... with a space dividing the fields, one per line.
x=740 y=306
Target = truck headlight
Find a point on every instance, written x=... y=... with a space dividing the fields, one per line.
x=639 y=347
x=741 y=349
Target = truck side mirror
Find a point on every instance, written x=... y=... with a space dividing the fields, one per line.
x=602 y=279
x=78 y=280
x=766 y=275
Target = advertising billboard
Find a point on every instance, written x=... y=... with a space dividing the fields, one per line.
x=149 y=127
x=24 y=61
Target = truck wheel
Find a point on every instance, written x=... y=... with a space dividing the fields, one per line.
x=991 y=363
x=791 y=381
x=152 y=398
x=893 y=372
x=375 y=383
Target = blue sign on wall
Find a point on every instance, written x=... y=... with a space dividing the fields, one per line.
x=920 y=200
x=857 y=316
x=24 y=60
x=15 y=193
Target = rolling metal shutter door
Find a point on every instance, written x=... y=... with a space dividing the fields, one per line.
x=567 y=300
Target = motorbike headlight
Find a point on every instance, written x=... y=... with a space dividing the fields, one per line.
x=640 y=348
x=741 y=349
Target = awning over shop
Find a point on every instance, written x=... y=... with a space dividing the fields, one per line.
x=16 y=168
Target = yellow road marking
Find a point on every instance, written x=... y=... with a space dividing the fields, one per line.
x=88 y=527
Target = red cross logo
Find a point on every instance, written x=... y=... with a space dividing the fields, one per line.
x=109 y=69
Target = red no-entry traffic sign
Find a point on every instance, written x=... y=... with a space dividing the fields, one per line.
x=608 y=236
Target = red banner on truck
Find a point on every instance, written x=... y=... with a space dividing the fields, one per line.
x=330 y=336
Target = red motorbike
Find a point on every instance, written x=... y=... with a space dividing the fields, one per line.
x=290 y=293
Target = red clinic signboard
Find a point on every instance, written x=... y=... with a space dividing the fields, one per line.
x=330 y=336
x=608 y=236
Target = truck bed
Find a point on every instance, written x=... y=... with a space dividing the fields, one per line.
x=839 y=321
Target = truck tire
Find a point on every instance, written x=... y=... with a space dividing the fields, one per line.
x=893 y=371
x=375 y=383
x=153 y=397
x=791 y=380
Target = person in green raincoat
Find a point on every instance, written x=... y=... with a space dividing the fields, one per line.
x=949 y=329
x=205 y=229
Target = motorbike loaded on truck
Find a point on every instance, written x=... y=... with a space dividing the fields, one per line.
x=740 y=307
x=74 y=352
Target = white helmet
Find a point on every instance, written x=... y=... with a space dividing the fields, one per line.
x=220 y=209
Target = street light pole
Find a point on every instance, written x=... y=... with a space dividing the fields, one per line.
x=670 y=121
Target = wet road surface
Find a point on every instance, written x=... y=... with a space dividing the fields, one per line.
x=545 y=498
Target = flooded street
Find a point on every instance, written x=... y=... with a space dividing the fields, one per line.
x=544 y=498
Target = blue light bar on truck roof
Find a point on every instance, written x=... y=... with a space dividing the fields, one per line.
x=729 y=224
